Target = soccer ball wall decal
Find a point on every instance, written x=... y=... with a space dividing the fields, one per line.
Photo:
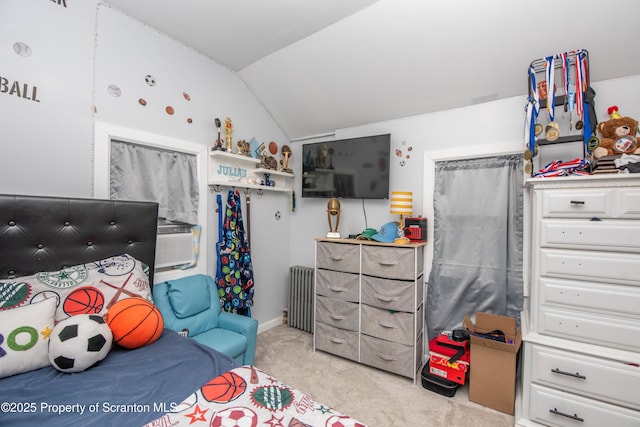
x=79 y=342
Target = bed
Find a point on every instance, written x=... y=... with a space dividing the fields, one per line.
x=50 y=244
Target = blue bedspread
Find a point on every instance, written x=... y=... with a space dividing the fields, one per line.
x=128 y=388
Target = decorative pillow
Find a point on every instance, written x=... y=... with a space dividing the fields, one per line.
x=135 y=322
x=82 y=289
x=24 y=337
x=79 y=342
x=189 y=296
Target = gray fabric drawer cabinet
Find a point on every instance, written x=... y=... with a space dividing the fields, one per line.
x=369 y=303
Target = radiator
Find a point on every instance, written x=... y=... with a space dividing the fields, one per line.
x=300 y=312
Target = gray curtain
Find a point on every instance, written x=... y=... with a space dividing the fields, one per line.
x=151 y=174
x=477 y=241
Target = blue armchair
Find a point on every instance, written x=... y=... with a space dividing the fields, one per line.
x=192 y=303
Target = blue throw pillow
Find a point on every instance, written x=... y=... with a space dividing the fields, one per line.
x=189 y=296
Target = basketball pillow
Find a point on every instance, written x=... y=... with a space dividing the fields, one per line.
x=135 y=322
x=224 y=388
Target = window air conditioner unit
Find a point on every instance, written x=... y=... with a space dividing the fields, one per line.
x=174 y=245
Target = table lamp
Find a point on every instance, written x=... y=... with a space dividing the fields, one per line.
x=401 y=204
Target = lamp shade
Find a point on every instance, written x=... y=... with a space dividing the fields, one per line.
x=401 y=203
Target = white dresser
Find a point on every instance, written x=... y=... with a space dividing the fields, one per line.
x=581 y=323
x=369 y=303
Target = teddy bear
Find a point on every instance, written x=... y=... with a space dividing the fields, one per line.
x=617 y=135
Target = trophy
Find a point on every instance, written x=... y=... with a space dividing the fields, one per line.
x=228 y=129
x=218 y=143
x=333 y=209
x=286 y=152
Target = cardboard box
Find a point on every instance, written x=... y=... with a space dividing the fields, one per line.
x=492 y=381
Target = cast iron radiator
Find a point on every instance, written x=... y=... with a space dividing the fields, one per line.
x=300 y=313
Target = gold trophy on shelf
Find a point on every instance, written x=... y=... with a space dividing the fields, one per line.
x=333 y=209
x=286 y=152
x=228 y=129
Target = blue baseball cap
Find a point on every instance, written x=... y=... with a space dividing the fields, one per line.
x=388 y=233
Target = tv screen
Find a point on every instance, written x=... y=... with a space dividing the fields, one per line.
x=354 y=168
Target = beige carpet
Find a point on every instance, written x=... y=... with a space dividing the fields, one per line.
x=372 y=396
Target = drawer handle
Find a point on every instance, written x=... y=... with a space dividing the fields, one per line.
x=336 y=289
x=337 y=341
x=386 y=358
x=385 y=298
x=573 y=417
x=388 y=263
x=336 y=258
x=576 y=375
x=577 y=202
x=387 y=325
x=336 y=317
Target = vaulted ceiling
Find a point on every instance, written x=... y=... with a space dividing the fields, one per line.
x=322 y=65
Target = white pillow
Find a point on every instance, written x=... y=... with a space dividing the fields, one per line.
x=90 y=288
x=24 y=337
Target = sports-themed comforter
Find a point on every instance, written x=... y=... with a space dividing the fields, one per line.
x=247 y=397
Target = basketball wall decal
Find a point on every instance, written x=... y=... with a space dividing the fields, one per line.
x=135 y=322
x=85 y=300
x=224 y=388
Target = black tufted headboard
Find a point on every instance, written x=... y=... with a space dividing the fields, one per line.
x=50 y=233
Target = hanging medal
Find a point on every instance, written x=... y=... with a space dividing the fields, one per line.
x=570 y=89
x=579 y=89
x=552 y=131
x=532 y=109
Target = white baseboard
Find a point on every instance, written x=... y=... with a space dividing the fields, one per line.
x=270 y=324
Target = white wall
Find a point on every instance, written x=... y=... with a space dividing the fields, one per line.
x=77 y=52
x=494 y=127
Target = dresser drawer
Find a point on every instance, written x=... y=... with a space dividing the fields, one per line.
x=334 y=284
x=618 y=300
x=592 y=266
x=600 y=379
x=609 y=235
x=394 y=326
x=338 y=257
x=391 y=294
x=336 y=341
x=556 y=408
x=607 y=202
x=391 y=262
x=390 y=356
x=607 y=331
x=341 y=314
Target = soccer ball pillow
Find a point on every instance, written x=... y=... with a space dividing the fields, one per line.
x=79 y=342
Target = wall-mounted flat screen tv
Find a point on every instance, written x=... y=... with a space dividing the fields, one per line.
x=354 y=168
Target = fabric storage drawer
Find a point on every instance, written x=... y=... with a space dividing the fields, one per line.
x=394 y=326
x=337 y=313
x=391 y=294
x=600 y=379
x=392 y=262
x=334 y=284
x=336 y=341
x=609 y=235
x=555 y=408
x=619 y=300
x=390 y=356
x=601 y=330
x=338 y=257
x=589 y=265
